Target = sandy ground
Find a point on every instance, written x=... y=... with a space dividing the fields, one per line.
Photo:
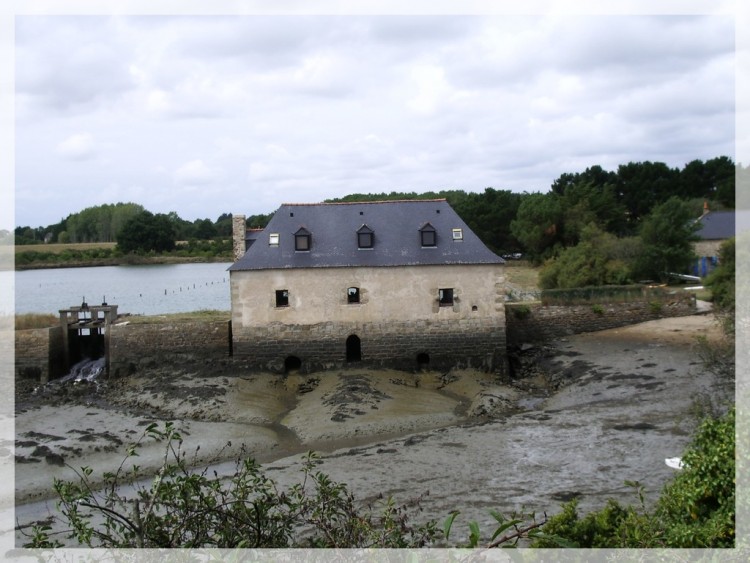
x=461 y=433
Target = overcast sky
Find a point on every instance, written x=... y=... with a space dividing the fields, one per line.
x=205 y=115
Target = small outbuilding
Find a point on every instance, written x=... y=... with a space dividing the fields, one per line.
x=714 y=227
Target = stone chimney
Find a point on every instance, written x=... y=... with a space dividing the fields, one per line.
x=239 y=230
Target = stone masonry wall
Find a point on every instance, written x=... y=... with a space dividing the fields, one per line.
x=134 y=346
x=477 y=343
x=239 y=230
x=537 y=323
x=39 y=354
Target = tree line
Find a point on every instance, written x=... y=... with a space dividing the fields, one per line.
x=592 y=227
x=598 y=227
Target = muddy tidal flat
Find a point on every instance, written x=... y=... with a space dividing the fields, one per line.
x=583 y=415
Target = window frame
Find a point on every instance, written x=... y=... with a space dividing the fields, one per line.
x=302 y=234
x=446 y=297
x=365 y=232
x=353 y=298
x=429 y=231
x=282 y=298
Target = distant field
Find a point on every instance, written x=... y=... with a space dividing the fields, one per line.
x=521 y=274
x=57 y=248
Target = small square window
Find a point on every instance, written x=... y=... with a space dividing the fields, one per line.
x=282 y=298
x=458 y=234
x=352 y=295
x=445 y=296
x=273 y=239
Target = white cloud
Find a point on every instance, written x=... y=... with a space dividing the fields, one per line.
x=195 y=173
x=322 y=106
x=79 y=146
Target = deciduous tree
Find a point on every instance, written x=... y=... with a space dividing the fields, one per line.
x=146 y=232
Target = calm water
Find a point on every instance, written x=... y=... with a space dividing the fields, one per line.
x=146 y=290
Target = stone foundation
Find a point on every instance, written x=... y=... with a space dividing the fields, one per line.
x=408 y=345
x=400 y=345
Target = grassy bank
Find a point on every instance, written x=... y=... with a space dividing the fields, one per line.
x=78 y=255
x=28 y=321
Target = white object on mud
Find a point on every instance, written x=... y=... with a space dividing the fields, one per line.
x=674 y=462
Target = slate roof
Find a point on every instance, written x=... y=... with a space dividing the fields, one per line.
x=396 y=226
x=716 y=225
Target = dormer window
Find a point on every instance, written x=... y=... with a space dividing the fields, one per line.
x=302 y=240
x=428 y=235
x=365 y=237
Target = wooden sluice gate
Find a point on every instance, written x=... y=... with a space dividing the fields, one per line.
x=85 y=332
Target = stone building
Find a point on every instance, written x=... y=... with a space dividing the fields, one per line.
x=403 y=284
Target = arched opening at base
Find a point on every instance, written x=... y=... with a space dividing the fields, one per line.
x=353 y=349
x=423 y=360
x=292 y=363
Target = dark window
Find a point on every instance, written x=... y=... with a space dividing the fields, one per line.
x=445 y=296
x=428 y=234
x=352 y=295
x=282 y=298
x=302 y=240
x=365 y=237
x=364 y=240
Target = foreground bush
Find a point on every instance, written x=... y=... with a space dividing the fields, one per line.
x=184 y=508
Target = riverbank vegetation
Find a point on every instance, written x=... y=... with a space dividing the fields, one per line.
x=76 y=255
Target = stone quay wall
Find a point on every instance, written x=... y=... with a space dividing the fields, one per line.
x=39 y=354
x=534 y=322
x=134 y=346
x=478 y=343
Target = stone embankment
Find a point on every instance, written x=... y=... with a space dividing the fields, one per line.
x=135 y=346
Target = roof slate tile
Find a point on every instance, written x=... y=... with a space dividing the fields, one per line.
x=395 y=224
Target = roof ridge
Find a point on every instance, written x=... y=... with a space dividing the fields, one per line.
x=434 y=200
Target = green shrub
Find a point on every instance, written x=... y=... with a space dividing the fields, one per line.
x=521 y=311
x=190 y=509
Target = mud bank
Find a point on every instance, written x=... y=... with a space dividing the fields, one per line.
x=591 y=412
